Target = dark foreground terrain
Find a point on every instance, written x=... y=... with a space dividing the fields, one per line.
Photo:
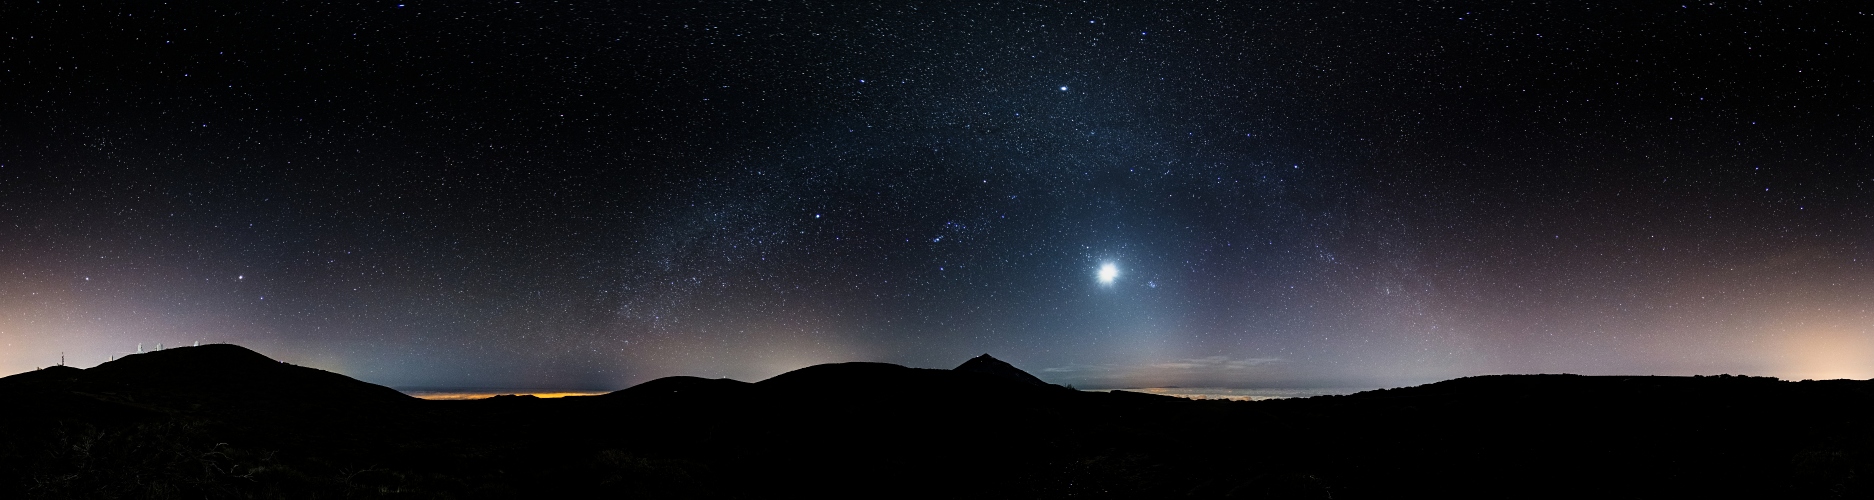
x=221 y=421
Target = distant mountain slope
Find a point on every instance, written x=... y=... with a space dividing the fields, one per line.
x=50 y=375
x=680 y=388
x=983 y=376
x=218 y=371
x=884 y=382
x=989 y=365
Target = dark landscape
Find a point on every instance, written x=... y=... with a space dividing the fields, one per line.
x=343 y=205
x=223 y=421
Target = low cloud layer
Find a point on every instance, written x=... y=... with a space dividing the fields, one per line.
x=1217 y=363
x=1192 y=364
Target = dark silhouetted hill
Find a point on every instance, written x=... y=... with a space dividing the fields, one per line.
x=888 y=381
x=988 y=365
x=232 y=371
x=684 y=386
x=48 y=378
x=214 y=377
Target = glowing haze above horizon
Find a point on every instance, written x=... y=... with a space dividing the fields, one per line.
x=1227 y=194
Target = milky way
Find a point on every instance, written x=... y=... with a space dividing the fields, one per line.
x=587 y=196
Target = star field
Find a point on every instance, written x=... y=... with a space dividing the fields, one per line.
x=590 y=195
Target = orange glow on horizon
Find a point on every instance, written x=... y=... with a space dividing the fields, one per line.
x=463 y=396
x=1828 y=352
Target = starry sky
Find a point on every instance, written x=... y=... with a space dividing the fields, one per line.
x=588 y=195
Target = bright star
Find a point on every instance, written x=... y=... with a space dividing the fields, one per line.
x=1108 y=272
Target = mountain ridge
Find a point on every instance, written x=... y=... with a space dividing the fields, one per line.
x=989 y=365
x=212 y=370
x=179 y=421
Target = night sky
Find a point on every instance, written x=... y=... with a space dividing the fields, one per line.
x=595 y=194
